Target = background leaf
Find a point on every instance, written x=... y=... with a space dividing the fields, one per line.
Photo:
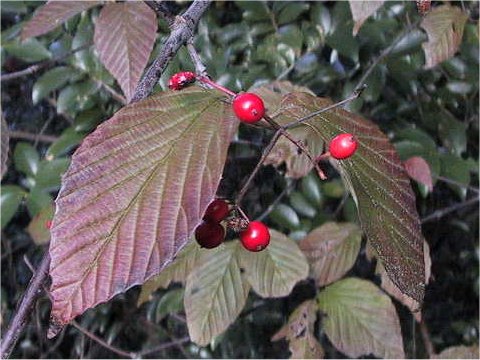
x=444 y=26
x=52 y=14
x=26 y=159
x=5 y=140
x=459 y=352
x=360 y=319
x=361 y=11
x=11 y=197
x=124 y=37
x=39 y=228
x=215 y=293
x=331 y=250
x=417 y=168
x=274 y=271
x=164 y=158
x=51 y=80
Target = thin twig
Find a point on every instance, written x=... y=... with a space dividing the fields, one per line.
x=200 y=68
x=436 y=215
x=182 y=31
x=275 y=202
x=121 y=99
x=426 y=339
x=161 y=9
x=23 y=311
x=165 y=346
x=453 y=182
x=102 y=342
x=36 y=67
x=17 y=134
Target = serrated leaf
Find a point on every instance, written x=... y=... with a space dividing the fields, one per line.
x=360 y=319
x=177 y=271
x=361 y=11
x=215 y=293
x=274 y=271
x=299 y=333
x=379 y=185
x=419 y=170
x=459 y=352
x=5 y=140
x=52 y=14
x=444 y=26
x=135 y=191
x=39 y=227
x=331 y=250
x=124 y=37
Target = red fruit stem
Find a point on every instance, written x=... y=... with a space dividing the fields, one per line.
x=206 y=80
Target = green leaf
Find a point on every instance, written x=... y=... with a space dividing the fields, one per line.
x=170 y=303
x=26 y=159
x=312 y=190
x=333 y=189
x=453 y=134
x=283 y=215
x=331 y=250
x=458 y=170
x=87 y=120
x=301 y=205
x=291 y=12
x=75 y=96
x=50 y=81
x=274 y=271
x=361 y=11
x=444 y=26
x=379 y=185
x=360 y=319
x=50 y=173
x=215 y=293
x=39 y=227
x=65 y=142
x=133 y=195
x=30 y=50
x=84 y=35
x=36 y=200
x=11 y=197
x=177 y=271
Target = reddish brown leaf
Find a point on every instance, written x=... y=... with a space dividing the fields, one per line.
x=52 y=14
x=135 y=191
x=124 y=37
x=419 y=170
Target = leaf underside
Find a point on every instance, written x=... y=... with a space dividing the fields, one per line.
x=52 y=14
x=379 y=185
x=135 y=191
x=124 y=37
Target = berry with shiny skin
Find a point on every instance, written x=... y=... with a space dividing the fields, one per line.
x=256 y=237
x=343 y=146
x=216 y=211
x=209 y=234
x=248 y=107
x=181 y=79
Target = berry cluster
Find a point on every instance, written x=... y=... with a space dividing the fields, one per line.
x=210 y=233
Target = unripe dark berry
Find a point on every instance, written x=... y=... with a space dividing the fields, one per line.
x=181 y=79
x=209 y=234
x=343 y=146
x=256 y=237
x=248 y=107
x=216 y=211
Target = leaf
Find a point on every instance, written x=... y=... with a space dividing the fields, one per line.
x=26 y=158
x=50 y=173
x=360 y=319
x=30 y=50
x=135 y=191
x=5 y=140
x=215 y=293
x=284 y=216
x=459 y=352
x=331 y=250
x=65 y=142
x=50 y=81
x=361 y=11
x=379 y=185
x=39 y=227
x=52 y=14
x=177 y=271
x=124 y=37
x=170 y=303
x=417 y=168
x=299 y=333
x=444 y=26
x=10 y=199
x=274 y=271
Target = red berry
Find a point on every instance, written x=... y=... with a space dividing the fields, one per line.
x=48 y=224
x=256 y=237
x=209 y=234
x=343 y=146
x=216 y=211
x=179 y=80
x=248 y=107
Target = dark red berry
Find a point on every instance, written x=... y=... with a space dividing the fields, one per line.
x=343 y=146
x=216 y=211
x=248 y=107
x=209 y=234
x=181 y=79
x=256 y=237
